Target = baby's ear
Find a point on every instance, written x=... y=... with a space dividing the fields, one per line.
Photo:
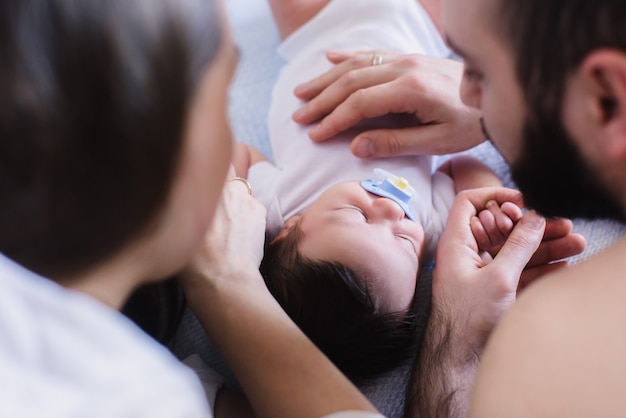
x=289 y=226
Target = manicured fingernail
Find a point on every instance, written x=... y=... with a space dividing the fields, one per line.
x=533 y=220
x=364 y=147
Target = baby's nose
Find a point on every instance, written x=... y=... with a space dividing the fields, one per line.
x=389 y=209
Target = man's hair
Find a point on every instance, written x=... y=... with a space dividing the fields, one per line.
x=93 y=107
x=550 y=39
x=336 y=311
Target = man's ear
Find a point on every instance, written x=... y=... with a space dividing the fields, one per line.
x=605 y=71
x=289 y=226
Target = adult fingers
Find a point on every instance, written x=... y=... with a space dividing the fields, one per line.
x=384 y=143
x=378 y=100
x=339 y=86
x=558 y=249
x=430 y=139
x=520 y=246
x=345 y=62
x=412 y=85
x=477 y=199
x=457 y=243
x=337 y=57
x=558 y=227
x=364 y=57
x=238 y=228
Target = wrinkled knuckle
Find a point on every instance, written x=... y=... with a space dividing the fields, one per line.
x=412 y=83
x=313 y=108
x=349 y=79
x=521 y=241
x=408 y=61
x=392 y=143
x=363 y=59
x=501 y=283
x=356 y=99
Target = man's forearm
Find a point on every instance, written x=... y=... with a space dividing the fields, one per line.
x=443 y=373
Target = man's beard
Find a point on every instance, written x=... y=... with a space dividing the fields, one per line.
x=556 y=180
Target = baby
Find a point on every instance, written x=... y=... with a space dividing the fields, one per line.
x=345 y=268
x=344 y=254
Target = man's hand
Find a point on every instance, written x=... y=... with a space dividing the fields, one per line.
x=492 y=226
x=471 y=292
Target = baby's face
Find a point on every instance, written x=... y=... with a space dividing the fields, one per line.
x=368 y=234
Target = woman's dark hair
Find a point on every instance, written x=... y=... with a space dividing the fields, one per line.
x=93 y=107
x=157 y=309
x=336 y=311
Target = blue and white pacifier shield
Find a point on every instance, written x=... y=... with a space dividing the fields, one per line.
x=392 y=187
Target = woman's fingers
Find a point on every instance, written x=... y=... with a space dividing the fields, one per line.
x=345 y=63
x=424 y=88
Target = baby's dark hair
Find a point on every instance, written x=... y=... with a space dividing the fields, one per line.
x=337 y=311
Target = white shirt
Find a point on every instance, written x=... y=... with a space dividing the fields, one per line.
x=64 y=354
x=302 y=169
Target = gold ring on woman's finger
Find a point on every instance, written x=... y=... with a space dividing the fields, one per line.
x=244 y=181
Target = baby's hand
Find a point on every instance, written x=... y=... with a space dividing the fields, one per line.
x=492 y=226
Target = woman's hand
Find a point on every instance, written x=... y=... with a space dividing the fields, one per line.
x=427 y=88
x=233 y=245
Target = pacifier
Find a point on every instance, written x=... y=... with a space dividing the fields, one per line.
x=392 y=187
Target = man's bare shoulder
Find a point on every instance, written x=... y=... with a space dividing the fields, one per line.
x=560 y=350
